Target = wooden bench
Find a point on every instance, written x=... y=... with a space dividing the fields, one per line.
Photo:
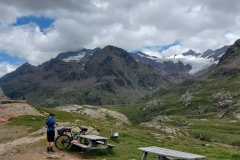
x=163 y=153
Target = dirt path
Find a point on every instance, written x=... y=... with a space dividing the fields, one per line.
x=19 y=149
x=38 y=153
x=17 y=144
x=5 y=147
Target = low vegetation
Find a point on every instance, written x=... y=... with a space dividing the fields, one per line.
x=216 y=139
x=209 y=109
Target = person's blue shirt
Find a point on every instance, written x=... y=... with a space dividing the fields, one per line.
x=50 y=123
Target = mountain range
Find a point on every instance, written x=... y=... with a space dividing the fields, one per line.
x=101 y=76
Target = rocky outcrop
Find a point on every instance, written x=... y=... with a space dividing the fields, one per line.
x=225 y=103
x=223 y=100
x=161 y=119
x=185 y=99
x=14 y=110
x=164 y=128
x=198 y=111
x=2 y=96
x=150 y=106
x=221 y=96
x=6 y=100
x=181 y=122
x=95 y=112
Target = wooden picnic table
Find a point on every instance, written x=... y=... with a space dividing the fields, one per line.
x=92 y=142
x=163 y=153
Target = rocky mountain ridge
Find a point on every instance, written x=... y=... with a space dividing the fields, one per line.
x=110 y=76
x=99 y=76
x=166 y=66
x=214 y=55
x=229 y=63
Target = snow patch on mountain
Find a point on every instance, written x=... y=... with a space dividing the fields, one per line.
x=197 y=63
x=141 y=55
x=75 y=58
x=221 y=55
x=210 y=55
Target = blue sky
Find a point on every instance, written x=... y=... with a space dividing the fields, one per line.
x=157 y=48
x=162 y=48
x=13 y=60
x=36 y=31
x=42 y=21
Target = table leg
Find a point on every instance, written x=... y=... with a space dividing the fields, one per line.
x=81 y=139
x=144 y=157
x=105 y=143
x=90 y=143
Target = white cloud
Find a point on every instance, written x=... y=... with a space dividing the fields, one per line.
x=6 y=67
x=10 y=17
x=231 y=37
x=197 y=25
x=178 y=49
x=28 y=42
x=100 y=4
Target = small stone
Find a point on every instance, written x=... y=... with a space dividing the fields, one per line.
x=53 y=157
x=170 y=137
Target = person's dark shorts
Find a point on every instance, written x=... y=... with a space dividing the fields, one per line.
x=50 y=136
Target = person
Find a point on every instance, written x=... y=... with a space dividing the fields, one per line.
x=50 y=125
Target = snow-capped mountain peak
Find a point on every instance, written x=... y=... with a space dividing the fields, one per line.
x=198 y=61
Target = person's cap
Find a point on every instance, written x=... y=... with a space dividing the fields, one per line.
x=51 y=114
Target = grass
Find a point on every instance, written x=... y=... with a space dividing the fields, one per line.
x=33 y=123
x=218 y=134
x=221 y=131
x=205 y=135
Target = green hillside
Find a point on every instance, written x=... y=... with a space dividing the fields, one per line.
x=214 y=138
x=209 y=108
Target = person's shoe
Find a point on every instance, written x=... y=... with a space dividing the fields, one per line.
x=48 y=150
x=51 y=150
